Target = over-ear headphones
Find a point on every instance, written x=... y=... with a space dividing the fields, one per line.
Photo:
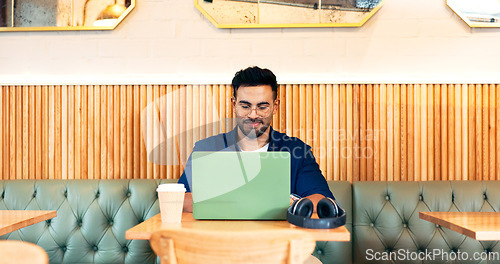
x=330 y=214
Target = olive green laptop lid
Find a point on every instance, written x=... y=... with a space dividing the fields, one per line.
x=240 y=185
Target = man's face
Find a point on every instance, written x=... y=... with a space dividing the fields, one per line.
x=254 y=107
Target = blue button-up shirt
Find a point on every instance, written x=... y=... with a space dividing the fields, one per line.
x=306 y=178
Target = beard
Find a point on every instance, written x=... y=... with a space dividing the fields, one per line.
x=245 y=125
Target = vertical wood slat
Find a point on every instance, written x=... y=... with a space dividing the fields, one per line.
x=444 y=132
x=497 y=131
x=64 y=132
x=403 y=134
x=389 y=108
x=437 y=132
x=450 y=129
x=457 y=109
x=356 y=149
x=422 y=104
x=90 y=133
x=323 y=131
x=97 y=158
x=333 y=124
x=343 y=132
x=478 y=133
x=397 y=132
x=110 y=131
x=362 y=131
x=25 y=135
x=416 y=132
x=491 y=132
x=383 y=132
x=430 y=132
x=124 y=173
x=376 y=133
x=471 y=132
x=369 y=134
x=411 y=132
x=71 y=133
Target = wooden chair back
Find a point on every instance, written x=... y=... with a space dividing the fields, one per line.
x=203 y=246
x=20 y=252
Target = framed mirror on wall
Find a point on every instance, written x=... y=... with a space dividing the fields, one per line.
x=477 y=13
x=56 y=15
x=288 y=13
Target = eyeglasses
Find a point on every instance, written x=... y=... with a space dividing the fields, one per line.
x=262 y=110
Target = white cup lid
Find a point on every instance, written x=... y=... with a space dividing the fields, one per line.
x=171 y=187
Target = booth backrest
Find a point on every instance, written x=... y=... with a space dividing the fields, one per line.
x=338 y=252
x=386 y=217
x=93 y=215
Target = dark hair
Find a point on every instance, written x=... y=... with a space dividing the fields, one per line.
x=254 y=76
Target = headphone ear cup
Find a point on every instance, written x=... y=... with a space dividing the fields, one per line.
x=328 y=208
x=303 y=207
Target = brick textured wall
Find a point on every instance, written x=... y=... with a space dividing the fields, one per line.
x=169 y=41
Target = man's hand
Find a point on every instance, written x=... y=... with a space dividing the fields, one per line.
x=188 y=203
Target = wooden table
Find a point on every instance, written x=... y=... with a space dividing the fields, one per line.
x=145 y=229
x=11 y=220
x=477 y=225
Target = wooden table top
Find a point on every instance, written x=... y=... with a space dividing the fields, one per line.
x=477 y=225
x=11 y=220
x=145 y=229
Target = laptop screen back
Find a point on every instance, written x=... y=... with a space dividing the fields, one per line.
x=240 y=185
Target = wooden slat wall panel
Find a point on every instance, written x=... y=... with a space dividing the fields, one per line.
x=394 y=132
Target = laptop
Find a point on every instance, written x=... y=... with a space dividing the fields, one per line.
x=240 y=185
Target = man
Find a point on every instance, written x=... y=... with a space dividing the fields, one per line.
x=254 y=104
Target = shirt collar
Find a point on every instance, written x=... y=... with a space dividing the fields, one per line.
x=231 y=138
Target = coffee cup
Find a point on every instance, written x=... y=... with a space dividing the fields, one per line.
x=171 y=201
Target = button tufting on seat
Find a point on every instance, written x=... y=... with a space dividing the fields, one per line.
x=48 y=222
x=387 y=198
x=125 y=249
x=485 y=197
x=34 y=194
x=97 y=195
x=388 y=250
x=66 y=193
x=437 y=226
x=405 y=225
x=64 y=248
x=128 y=194
x=79 y=223
x=94 y=248
x=3 y=195
x=319 y=251
x=421 y=197
x=372 y=224
x=110 y=222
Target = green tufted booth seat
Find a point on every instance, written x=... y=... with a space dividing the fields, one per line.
x=93 y=216
x=386 y=219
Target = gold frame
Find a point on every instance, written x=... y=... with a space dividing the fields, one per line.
x=297 y=25
x=85 y=28
x=470 y=23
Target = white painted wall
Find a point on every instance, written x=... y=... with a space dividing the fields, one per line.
x=169 y=41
